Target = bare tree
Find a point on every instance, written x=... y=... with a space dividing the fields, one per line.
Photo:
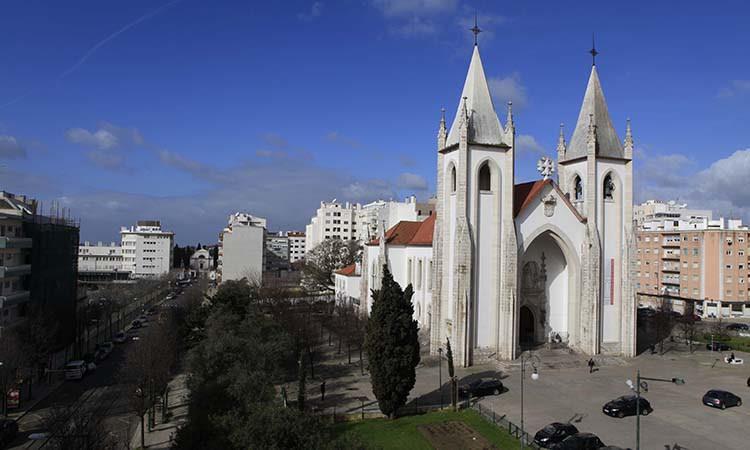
x=12 y=359
x=688 y=328
x=38 y=336
x=321 y=261
x=79 y=426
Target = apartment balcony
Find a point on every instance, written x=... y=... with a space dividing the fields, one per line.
x=671 y=254
x=15 y=242
x=671 y=280
x=670 y=243
x=14 y=298
x=671 y=268
x=15 y=271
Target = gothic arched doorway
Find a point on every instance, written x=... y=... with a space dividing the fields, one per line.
x=526 y=326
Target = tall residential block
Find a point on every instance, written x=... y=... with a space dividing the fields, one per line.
x=242 y=248
x=146 y=249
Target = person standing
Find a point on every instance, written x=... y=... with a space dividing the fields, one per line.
x=591 y=365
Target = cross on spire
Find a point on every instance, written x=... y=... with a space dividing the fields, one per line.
x=476 y=30
x=593 y=50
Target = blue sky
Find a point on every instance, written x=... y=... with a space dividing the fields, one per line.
x=187 y=111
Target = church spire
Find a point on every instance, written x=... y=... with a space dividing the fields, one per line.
x=561 y=144
x=594 y=111
x=510 y=126
x=628 y=144
x=484 y=126
x=442 y=131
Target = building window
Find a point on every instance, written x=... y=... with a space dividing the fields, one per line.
x=453 y=179
x=408 y=272
x=609 y=187
x=485 y=178
x=695 y=252
x=419 y=274
x=578 y=188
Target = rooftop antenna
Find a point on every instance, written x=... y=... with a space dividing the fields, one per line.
x=476 y=30
x=593 y=50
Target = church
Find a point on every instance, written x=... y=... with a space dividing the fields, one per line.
x=517 y=266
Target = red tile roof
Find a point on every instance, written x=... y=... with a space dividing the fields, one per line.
x=348 y=271
x=409 y=232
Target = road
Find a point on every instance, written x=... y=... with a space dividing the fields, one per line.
x=100 y=391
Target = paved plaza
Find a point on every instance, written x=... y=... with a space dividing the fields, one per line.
x=565 y=390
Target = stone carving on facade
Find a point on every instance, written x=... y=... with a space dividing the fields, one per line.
x=549 y=202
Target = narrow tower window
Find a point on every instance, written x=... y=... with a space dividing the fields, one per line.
x=609 y=187
x=578 y=188
x=453 y=179
x=485 y=178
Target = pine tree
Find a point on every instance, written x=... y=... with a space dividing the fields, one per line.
x=392 y=344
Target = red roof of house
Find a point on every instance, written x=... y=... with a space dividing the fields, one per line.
x=409 y=232
x=348 y=271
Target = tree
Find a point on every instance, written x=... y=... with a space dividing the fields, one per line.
x=392 y=344
x=301 y=387
x=329 y=255
x=38 y=335
x=13 y=359
x=689 y=329
x=451 y=374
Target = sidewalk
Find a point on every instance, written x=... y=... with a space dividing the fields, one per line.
x=162 y=434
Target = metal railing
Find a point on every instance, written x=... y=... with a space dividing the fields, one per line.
x=501 y=421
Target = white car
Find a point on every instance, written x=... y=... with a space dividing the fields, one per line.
x=75 y=370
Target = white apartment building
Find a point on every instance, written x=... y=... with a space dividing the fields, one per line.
x=296 y=246
x=354 y=221
x=656 y=215
x=242 y=248
x=100 y=258
x=146 y=249
x=332 y=220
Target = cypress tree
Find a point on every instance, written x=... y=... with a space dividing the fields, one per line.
x=392 y=344
x=451 y=373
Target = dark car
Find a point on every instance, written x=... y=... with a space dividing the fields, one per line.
x=483 y=386
x=579 y=441
x=718 y=346
x=721 y=399
x=646 y=312
x=8 y=431
x=738 y=327
x=554 y=433
x=626 y=406
x=136 y=324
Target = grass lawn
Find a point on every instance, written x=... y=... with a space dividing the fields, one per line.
x=402 y=432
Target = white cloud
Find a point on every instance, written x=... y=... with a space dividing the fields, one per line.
x=101 y=139
x=505 y=89
x=527 y=145
x=368 y=190
x=338 y=138
x=414 y=27
x=10 y=148
x=316 y=9
x=411 y=181
x=398 y=8
x=735 y=88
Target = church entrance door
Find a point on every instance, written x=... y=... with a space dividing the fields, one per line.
x=526 y=327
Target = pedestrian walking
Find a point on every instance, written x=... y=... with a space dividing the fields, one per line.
x=591 y=365
x=323 y=391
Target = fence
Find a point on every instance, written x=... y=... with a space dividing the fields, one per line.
x=371 y=410
x=501 y=421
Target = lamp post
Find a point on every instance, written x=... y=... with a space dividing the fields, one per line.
x=534 y=376
x=641 y=384
x=440 y=375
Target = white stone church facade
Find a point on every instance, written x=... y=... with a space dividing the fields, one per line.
x=519 y=265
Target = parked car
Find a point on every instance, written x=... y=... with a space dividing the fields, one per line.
x=717 y=346
x=554 y=433
x=721 y=399
x=626 y=406
x=646 y=312
x=8 y=431
x=103 y=350
x=151 y=311
x=136 y=323
x=738 y=327
x=483 y=386
x=579 y=441
x=75 y=370
x=120 y=337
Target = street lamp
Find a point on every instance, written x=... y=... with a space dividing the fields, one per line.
x=440 y=375
x=641 y=384
x=534 y=376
